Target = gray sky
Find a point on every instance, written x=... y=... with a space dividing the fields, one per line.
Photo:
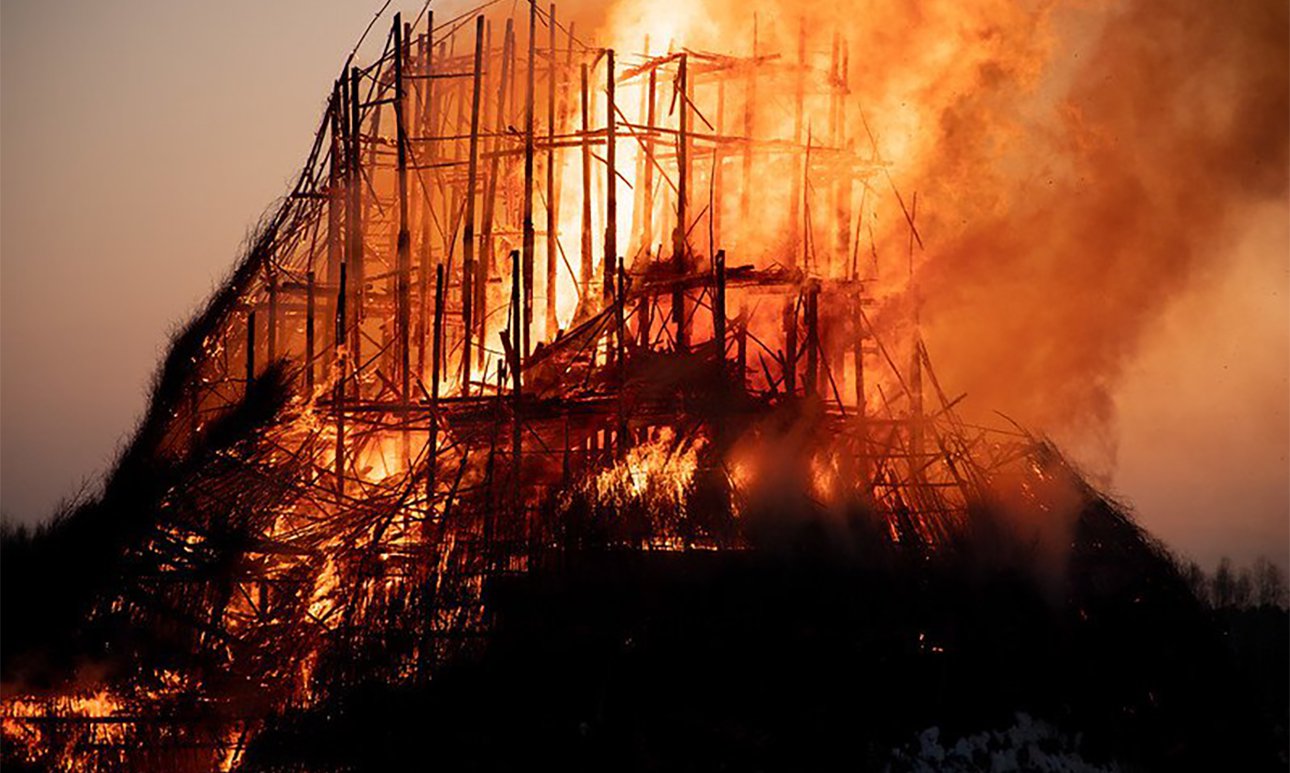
x=141 y=140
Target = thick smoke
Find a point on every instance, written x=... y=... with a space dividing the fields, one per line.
x=1078 y=166
x=1173 y=123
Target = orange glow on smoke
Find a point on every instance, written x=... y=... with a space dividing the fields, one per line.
x=949 y=156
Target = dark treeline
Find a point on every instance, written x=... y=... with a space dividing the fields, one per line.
x=1259 y=584
x=1247 y=605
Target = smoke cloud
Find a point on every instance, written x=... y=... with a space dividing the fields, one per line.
x=1078 y=165
x=1173 y=124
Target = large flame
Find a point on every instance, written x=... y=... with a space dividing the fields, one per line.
x=947 y=156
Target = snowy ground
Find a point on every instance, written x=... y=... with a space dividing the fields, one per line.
x=1029 y=745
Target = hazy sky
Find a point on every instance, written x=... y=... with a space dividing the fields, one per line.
x=141 y=140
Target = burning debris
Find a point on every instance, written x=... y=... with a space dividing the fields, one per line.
x=527 y=299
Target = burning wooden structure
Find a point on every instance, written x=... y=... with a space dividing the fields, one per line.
x=527 y=296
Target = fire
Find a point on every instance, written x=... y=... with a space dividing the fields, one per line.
x=824 y=477
x=35 y=737
x=383 y=457
x=94 y=727
x=763 y=340
x=659 y=471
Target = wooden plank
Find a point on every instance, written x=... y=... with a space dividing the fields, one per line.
x=468 y=230
x=680 y=248
x=403 y=246
x=436 y=367
x=552 y=201
x=490 y=196
x=611 y=183
x=338 y=398
x=354 y=228
x=526 y=321
x=584 y=275
x=310 y=355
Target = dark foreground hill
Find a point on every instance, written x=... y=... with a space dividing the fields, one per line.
x=813 y=658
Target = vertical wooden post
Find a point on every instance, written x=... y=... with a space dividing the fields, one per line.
x=866 y=473
x=584 y=274
x=529 y=236
x=858 y=354
x=516 y=365
x=403 y=241
x=483 y=254
x=436 y=369
x=517 y=311
x=644 y=305
x=353 y=230
x=719 y=308
x=620 y=312
x=790 y=346
x=468 y=232
x=310 y=289
x=385 y=349
x=335 y=202
x=720 y=424
x=647 y=214
x=490 y=193
x=403 y=302
x=552 y=246
x=425 y=119
x=812 y=337
x=338 y=399
x=620 y=357
x=741 y=367
x=611 y=181
x=679 y=245
x=717 y=182
x=459 y=128
x=432 y=440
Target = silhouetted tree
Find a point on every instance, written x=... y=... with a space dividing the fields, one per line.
x=1197 y=581
x=1269 y=584
x=1243 y=588
x=1223 y=585
x=1262 y=584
